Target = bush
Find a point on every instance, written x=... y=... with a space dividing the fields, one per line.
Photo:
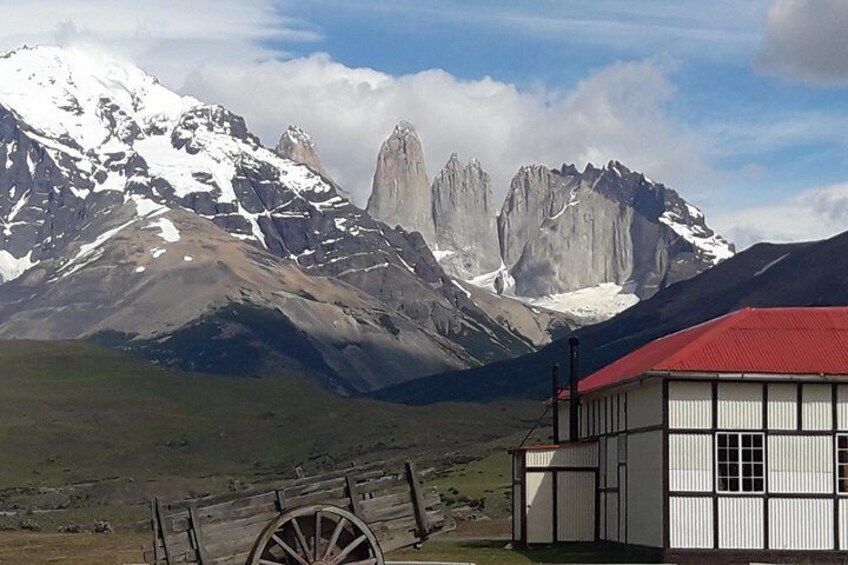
x=30 y=525
x=103 y=527
x=72 y=528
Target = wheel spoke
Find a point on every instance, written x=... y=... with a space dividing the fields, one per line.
x=372 y=561
x=317 y=536
x=301 y=540
x=269 y=562
x=347 y=550
x=288 y=549
x=334 y=538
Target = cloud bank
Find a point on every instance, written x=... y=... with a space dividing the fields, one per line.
x=807 y=40
x=616 y=113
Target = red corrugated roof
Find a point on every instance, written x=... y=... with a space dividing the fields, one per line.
x=793 y=341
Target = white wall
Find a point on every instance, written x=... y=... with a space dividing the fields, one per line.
x=800 y=464
x=691 y=522
x=817 y=407
x=800 y=523
x=740 y=524
x=540 y=507
x=782 y=406
x=740 y=406
x=569 y=455
x=689 y=405
x=690 y=462
x=645 y=405
x=645 y=488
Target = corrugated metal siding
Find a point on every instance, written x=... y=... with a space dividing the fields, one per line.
x=576 y=506
x=645 y=498
x=622 y=504
x=817 y=409
x=644 y=406
x=602 y=462
x=564 y=420
x=612 y=517
x=612 y=462
x=842 y=407
x=740 y=523
x=690 y=405
x=584 y=455
x=602 y=515
x=690 y=462
x=540 y=507
x=799 y=523
x=843 y=523
x=800 y=464
x=740 y=406
x=782 y=406
x=691 y=522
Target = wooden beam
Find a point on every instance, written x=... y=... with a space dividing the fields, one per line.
x=154 y=521
x=353 y=495
x=198 y=536
x=162 y=531
x=417 y=501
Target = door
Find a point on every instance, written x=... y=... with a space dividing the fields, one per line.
x=576 y=505
x=540 y=507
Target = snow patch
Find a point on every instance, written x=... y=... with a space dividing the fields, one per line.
x=140 y=269
x=12 y=267
x=157 y=252
x=188 y=258
x=168 y=231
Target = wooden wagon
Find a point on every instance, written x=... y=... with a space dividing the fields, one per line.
x=351 y=517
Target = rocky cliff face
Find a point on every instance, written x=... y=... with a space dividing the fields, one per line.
x=563 y=230
x=464 y=219
x=296 y=145
x=400 y=193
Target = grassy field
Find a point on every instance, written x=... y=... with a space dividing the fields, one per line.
x=89 y=433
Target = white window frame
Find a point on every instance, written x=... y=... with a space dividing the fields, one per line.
x=836 y=450
x=740 y=463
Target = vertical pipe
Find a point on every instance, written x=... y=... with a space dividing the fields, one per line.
x=555 y=401
x=573 y=399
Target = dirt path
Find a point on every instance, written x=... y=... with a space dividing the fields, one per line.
x=70 y=549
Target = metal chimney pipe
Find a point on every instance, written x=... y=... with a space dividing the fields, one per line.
x=573 y=398
x=555 y=400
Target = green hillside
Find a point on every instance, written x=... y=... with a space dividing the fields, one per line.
x=118 y=429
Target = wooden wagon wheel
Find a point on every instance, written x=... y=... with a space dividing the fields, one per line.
x=319 y=534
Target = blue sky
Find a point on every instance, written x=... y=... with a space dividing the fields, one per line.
x=742 y=106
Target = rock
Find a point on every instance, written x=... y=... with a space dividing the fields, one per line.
x=400 y=193
x=464 y=219
x=296 y=145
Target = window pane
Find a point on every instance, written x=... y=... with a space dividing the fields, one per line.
x=722 y=440
x=746 y=440
x=758 y=485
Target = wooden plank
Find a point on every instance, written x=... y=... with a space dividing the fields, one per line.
x=198 y=536
x=417 y=501
x=353 y=496
x=162 y=531
x=155 y=524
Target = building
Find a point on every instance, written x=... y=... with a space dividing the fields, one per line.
x=725 y=441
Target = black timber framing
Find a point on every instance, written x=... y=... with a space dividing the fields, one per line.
x=767 y=495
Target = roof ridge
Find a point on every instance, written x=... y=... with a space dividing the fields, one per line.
x=722 y=323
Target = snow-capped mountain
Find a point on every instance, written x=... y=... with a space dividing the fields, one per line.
x=588 y=243
x=107 y=180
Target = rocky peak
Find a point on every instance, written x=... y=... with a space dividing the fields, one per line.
x=464 y=219
x=297 y=145
x=400 y=192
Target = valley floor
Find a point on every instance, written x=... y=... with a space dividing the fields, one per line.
x=124 y=549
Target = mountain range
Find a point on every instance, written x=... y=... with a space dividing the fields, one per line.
x=155 y=223
x=611 y=235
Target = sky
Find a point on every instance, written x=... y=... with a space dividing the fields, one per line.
x=741 y=106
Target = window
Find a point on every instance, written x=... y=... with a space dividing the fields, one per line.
x=740 y=462
x=842 y=463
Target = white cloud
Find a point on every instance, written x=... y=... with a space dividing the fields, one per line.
x=170 y=38
x=816 y=213
x=807 y=40
x=616 y=113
